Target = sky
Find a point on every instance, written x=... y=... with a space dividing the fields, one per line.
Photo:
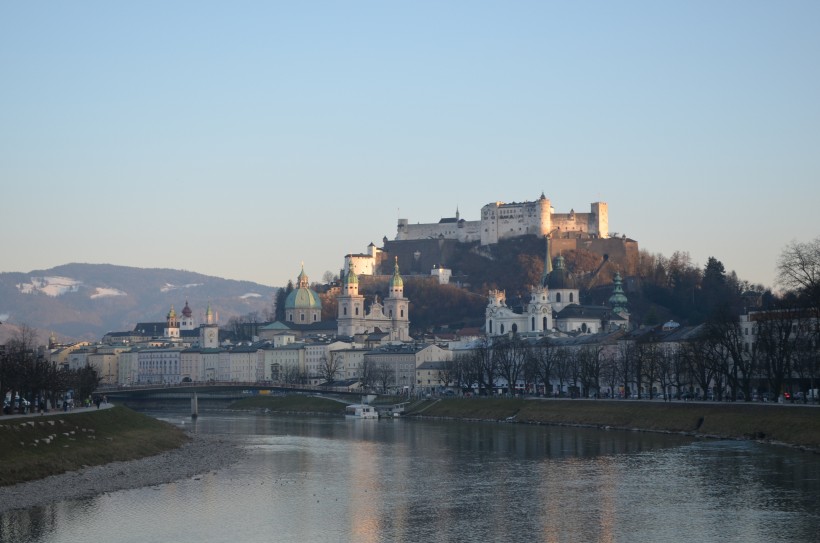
x=242 y=139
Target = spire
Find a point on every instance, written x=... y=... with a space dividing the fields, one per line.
x=209 y=314
x=396 y=282
x=545 y=277
x=302 y=280
x=618 y=300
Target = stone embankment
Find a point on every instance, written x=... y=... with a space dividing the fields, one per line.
x=204 y=453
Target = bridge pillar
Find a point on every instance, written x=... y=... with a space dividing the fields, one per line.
x=194 y=406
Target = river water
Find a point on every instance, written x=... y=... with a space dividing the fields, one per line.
x=337 y=480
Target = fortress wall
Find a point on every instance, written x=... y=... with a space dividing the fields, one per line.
x=417 y=257
x=506 y=221
x=622 y=252
x=464 y=231
x=573 y=222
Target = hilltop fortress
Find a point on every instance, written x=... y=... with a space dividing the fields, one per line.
x=429 y=248
x=504 y=221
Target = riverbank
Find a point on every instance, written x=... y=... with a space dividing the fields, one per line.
x=77 y=455
x=786 y=424
x=44 y=459
x=793 y=425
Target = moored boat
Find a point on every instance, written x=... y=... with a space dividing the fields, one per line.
x=361 y=411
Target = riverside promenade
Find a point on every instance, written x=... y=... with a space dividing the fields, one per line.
x=56 y=412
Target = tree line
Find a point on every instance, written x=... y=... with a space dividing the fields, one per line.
x=27 y=373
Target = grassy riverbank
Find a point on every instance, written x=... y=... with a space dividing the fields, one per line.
x=36 y=447
x=790 y=424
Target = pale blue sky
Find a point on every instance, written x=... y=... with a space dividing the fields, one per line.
x=239 y=139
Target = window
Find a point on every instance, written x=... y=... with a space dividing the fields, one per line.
x=558 y=297
x=532 y=324
x=570 y=297
x=545 y=323
x=491 y=327
x=502 y=328
x=344 y=311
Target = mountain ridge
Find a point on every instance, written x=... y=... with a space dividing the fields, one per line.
x=85 y=301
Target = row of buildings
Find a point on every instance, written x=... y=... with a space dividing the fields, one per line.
x=367 y=333
x=370 y=341
x=371 y=345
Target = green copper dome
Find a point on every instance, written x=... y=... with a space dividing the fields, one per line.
x=303 y=297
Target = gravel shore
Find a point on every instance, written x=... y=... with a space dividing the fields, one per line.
x=202 y=454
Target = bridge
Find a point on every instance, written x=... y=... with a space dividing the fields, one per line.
x=211 y=393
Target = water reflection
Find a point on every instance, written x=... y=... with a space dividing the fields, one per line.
x=329 y=479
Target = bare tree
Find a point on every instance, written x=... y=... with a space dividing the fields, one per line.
x=328 y=277
x=329 y=367
x=545 y=359
x=699 y=364
x=486 y=366
x=798 y=268
x=779 y=337
x=590 y=360
x=625 y=357
x=384 y=376
x=511 y=354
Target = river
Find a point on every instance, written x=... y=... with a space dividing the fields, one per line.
x=323 y=479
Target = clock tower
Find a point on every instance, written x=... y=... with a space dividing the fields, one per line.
x=209 y=332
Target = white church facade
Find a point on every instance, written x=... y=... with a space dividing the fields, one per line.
x=391 y=317
x=554 y=307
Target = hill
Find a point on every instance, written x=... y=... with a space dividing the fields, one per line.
x=84 y=301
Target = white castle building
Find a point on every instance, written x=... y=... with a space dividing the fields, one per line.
x=504 y=221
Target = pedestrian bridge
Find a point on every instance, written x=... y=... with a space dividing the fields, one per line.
x=208 y=392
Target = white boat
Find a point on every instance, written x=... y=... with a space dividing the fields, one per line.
x=361 y=411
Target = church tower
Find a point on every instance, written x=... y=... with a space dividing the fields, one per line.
x=562 y=288
x=396 y=307
x=350 y=312
x=209 y=331
x=172 y=324
x=187 y=322
x=618 y=300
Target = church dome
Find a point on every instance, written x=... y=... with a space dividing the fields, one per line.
x=560 y=277
x=186 y=311
x=303 y=297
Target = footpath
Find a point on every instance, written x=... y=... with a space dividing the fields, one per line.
x=55 y=412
